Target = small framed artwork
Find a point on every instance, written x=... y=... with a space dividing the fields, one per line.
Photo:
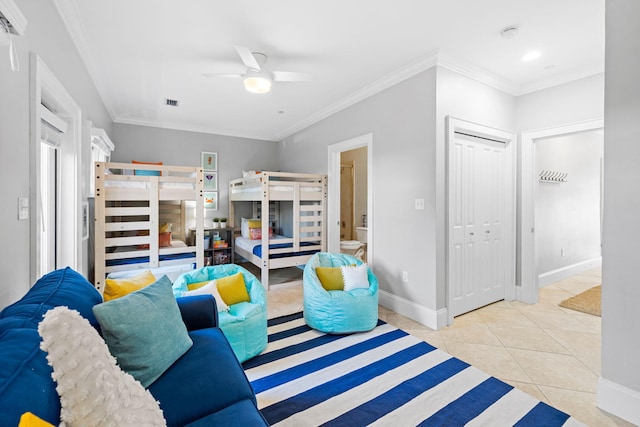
x=211 y=200
x=210 y=181
x=85 y=220
x=209 y=161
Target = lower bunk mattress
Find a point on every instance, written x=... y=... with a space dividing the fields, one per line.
x=255 y=247
x=142 y=259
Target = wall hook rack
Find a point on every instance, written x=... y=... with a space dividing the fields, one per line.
x=552 y=176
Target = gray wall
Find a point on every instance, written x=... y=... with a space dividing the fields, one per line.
x=402 y=120
x=46 y=36
x=620 y=289
x=182 y=148
x=568 y=213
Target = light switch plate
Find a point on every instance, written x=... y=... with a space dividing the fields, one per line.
x=23 y=208
x=419 y=203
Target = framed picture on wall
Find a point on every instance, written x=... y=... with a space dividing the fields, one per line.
x=209 y=161
x=210 y=181
x=211 y=200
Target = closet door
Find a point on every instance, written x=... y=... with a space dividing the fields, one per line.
x=478 y=253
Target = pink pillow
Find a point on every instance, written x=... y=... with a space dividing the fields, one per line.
x=256 y=233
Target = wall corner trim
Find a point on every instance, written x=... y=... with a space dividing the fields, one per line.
x=434 y=319
x=619 y=400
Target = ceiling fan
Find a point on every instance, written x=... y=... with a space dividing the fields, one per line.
x=257 y=78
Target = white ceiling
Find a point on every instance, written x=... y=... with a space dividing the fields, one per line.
x=141 y=52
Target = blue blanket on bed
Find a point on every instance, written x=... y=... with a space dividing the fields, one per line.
x=257 y=250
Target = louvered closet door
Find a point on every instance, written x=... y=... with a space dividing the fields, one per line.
x=477 y=267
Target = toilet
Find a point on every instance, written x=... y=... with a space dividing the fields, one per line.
x=355 y=247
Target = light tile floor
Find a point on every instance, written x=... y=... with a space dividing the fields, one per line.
x=550 y=352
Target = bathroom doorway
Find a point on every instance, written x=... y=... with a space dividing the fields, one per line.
x=350 y=197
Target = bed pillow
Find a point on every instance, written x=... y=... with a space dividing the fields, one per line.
x=197 y=285
x=78 y=355
x=210 y=288
x=245 y=226
x=256 y=233
x=116 y=288
x=146 y=172
x=232 y=289
x=355 y=277
x=330 y=278
x=144 y=330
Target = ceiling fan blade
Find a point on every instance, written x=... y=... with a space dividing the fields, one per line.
x=290 y=76
x=248 y=58
x=224 y=75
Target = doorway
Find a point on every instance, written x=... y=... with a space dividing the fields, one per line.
x=362 y=212
x=347 y=196
x=481 y=216
x=528 y=275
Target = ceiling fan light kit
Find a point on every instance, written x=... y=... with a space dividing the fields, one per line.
x=257 y=84
x=257 y=78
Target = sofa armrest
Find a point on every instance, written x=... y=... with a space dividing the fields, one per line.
x=198 y=311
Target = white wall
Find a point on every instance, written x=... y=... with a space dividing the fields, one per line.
x=47 y=36
x=183 y=148
x=568 y=213
x=619 y=387
x=560 y=105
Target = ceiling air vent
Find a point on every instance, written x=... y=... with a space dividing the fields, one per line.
x=171 y=102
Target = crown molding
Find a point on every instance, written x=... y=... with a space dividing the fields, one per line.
x=430 y=60
x=17 y=20
x=71 y=18
x=477 y=73
x=559 y=79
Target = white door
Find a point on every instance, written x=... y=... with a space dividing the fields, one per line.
x=479 y=222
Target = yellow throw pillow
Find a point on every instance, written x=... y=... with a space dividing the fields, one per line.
x=29 y=420
x=232 y=289
x=196 y=285
x=255 y=223
x=116 y=288
x=330 y=278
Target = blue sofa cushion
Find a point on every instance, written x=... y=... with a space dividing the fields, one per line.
x=60 y=287
x=209 y=365
x=25 y=378
x=242 y=412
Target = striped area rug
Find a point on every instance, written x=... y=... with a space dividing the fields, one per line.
x=384 y=377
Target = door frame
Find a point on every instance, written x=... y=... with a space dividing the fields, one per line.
x=528 y=275
x=333 y=188
x=454 y=125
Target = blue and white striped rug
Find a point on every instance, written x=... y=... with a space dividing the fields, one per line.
x=382 y=377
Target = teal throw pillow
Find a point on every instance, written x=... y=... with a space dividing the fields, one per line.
x=144 y=330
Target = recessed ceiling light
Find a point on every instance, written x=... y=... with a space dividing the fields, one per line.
x=550 y=67
x=509 y=32
x=531 y=56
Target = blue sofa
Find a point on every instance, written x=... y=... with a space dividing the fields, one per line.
x=204 y=387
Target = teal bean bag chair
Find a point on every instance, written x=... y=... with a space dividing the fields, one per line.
x=244 y=324
x=338 y=311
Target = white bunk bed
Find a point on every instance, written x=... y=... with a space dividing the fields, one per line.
x=308 y=196
x=131 y=203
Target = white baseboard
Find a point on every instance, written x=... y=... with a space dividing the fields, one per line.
x=550 y=277
x=426 y=316
x=619 y=400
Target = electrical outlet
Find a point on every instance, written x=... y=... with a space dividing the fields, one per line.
x=419 y=203
x=405 y=276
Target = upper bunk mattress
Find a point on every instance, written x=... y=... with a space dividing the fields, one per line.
x=255 y=247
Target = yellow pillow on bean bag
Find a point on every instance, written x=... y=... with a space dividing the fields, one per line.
x=116 y=288
x=330 y=278
x=232 y=289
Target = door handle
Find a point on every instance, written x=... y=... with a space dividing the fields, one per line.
x=487 y=231
x=471 y=233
